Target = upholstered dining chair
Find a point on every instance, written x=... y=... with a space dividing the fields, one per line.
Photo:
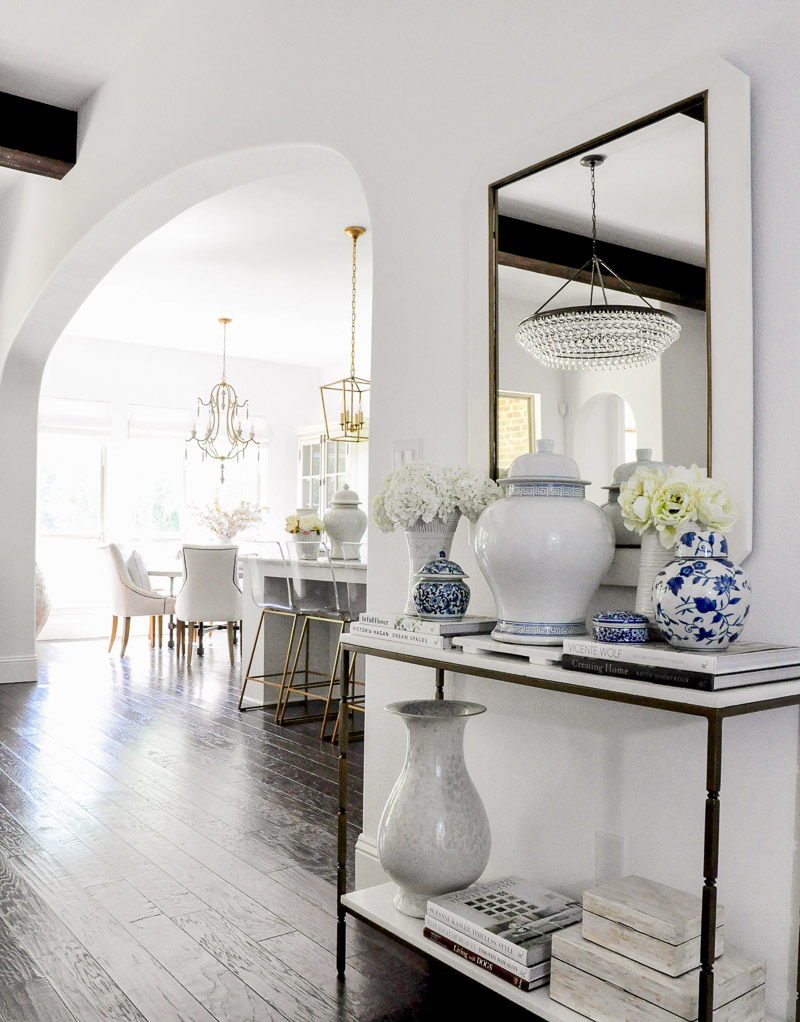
x=210 y=592
x=130 y=598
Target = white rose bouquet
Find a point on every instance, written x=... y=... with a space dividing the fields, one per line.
x=227 y=523
x=419 y=490
x=304 y=523
x=670 y=502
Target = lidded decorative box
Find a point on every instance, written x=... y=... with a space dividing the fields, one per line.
x=648 y=922
x=440 y=593
x=543 y=549
x=620 y=626
x=607 y=987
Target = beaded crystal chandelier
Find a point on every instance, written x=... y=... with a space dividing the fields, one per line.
x=223 y=437
x=598 y=336
x=342 y=399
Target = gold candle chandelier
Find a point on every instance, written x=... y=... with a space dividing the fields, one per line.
x=223 y=437
x=342 y=399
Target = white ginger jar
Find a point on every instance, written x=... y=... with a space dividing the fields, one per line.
x=612 y=510
x=345 y=523
x=543 y=549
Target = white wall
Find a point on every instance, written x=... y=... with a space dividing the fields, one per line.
x=429 y=96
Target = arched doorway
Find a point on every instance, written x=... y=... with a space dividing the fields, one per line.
x=86 y=265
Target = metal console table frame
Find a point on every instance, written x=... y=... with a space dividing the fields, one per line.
x=715 y=707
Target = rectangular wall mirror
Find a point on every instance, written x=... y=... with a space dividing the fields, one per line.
x=651 y=204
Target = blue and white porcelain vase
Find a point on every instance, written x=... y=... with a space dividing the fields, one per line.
x=701 y=599
x=440 y=593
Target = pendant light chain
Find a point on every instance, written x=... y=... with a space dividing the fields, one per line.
x=353 y=314
x=225 y=344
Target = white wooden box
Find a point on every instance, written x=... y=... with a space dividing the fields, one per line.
x=606 y=986
x=651 y=923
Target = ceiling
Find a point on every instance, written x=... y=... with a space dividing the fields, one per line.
x=650 y=192
x=37 y=63
x=271 y=255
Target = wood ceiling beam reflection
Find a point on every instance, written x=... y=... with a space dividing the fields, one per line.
x=37 y=138
x=547 y=250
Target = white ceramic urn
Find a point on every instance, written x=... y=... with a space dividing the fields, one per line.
x=345 y=522
x=543 y=549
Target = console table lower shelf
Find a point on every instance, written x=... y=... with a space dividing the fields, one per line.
x=374 y=905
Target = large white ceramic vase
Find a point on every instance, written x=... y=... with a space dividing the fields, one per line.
x=434 y=835
x=426 y=541
x=543 y=549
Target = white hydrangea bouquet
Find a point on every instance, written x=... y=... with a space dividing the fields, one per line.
x=303 y=523
x=420 y=492
x=229 y=522
x=671 y=501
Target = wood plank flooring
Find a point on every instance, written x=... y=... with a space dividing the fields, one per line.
x=164 y=858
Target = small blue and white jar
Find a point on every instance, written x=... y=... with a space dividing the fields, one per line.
x=701 y=599
x=441 y=594
x=621 y=626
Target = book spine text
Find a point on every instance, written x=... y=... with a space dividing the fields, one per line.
x=639 y=672
x=526 y=956
x=523 y=971
x=483 y=963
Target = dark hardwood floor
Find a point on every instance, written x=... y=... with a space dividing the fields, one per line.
x=164 y=857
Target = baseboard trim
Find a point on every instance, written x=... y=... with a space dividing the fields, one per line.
x=369 y=871
x=16 y=669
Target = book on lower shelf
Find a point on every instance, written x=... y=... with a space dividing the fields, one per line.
x=513 y=916
x=737 y=658
x=539 y=975
x=469 y=625
x=399 y=635
x=661 y=675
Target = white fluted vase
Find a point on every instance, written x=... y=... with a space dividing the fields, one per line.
x=434 y=835
x=426 y=541
x=653 y=558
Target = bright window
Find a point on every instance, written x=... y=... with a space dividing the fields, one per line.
x=71 y=483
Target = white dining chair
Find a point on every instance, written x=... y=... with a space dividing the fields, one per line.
x=129 y=598
x=210 y=592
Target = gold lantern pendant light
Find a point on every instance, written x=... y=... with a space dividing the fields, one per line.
x=223 y=438
x=601 y=336
x=342 y=399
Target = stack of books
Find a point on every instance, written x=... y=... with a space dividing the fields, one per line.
x=413 y=631
x=505 y=926
x=744 y=663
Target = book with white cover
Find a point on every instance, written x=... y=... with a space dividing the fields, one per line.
x=514 y=916
x=741 y=656
x=418 y=639
x=469 y=625
x=526 y=972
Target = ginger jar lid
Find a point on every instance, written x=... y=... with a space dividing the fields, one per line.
x=345 y=497
x=701 y=543
x=543 y=466
x=441 y=568
x=644 y=459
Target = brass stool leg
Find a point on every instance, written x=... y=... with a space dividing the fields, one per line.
x=280 y=710
x=250 y=661
x=333 y=682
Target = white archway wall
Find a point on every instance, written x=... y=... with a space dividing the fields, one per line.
x=416 y=114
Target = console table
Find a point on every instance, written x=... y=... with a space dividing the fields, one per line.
x=374 y=905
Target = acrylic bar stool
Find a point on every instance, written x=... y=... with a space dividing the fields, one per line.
x=319 y=596
x=274 y=599
x=350 y=580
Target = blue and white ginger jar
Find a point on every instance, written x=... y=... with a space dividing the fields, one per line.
x=441 y=594
x=701 y=599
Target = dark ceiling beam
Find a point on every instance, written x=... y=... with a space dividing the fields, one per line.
x=558 y=253
x=36 y=137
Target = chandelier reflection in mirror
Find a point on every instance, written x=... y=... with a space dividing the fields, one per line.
x=598 y=336
x=342 y=400
x=224 y=435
